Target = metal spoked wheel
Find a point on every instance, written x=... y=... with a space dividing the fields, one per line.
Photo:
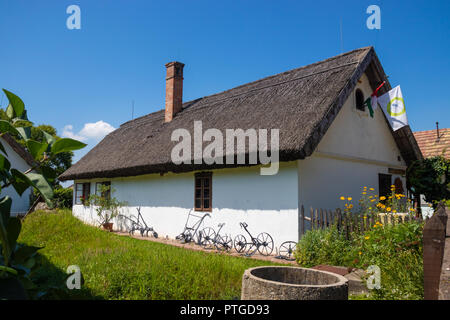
x=265 y=243
x=240 y=243
x=287 y=250
x=208 y=236
x=188 y=237
x=224 y=243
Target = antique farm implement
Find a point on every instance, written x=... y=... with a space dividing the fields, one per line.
x=263 y=243
x=140 y=225
x=190 y=232
x=209 y=238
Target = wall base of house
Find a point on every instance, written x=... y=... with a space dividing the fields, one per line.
x=170 y=222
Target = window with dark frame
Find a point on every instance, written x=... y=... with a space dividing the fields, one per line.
x=203 y=192
x=359 y=100
x=98 y=187
x=82 y=192
x=384 y=184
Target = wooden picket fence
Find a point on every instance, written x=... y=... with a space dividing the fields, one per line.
x=346 y=222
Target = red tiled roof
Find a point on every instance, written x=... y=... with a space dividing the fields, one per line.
x=431 y=145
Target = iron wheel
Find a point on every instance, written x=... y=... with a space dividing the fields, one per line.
x=240 y=243
x=287 y=250
x=265 y=246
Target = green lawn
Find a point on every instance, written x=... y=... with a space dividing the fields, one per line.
x=117 y=267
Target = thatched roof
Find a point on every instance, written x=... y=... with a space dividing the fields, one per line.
x=19 y=149
x=301 y=103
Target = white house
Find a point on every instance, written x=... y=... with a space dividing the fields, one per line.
x=329 y=147
x=21 y=160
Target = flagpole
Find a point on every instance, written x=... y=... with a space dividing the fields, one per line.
x=379 y=87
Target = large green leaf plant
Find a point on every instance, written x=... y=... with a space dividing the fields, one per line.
x=17 y=261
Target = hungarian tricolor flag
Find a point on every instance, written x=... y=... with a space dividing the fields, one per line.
x=372 y=101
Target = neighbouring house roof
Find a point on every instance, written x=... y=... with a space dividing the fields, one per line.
x=19 y=149
x=302 y=103
x=431 y=145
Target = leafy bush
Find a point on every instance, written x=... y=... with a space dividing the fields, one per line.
x=324 y=246
x=17 y=262
x=63 y=197
x=106 y=206
x=396 y=249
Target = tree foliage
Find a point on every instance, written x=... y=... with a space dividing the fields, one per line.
x=431 y=177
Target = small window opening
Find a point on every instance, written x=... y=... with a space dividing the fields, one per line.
x=359 y=99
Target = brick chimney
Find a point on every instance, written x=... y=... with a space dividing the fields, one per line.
x=174 y=89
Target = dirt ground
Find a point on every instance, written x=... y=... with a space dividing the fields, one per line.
x=192 y=246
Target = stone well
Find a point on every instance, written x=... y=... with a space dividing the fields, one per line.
x=291 y=283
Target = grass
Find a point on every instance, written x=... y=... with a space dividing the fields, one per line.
x=117 y=267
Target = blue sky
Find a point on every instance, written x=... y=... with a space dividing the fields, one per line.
x=83 y=81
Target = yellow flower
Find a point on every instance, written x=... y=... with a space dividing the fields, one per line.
x=342 y=198
x=394 y=211
x=372 y=189
x=364 y=193
x=382 y=198
x=372 y=200
x=365 y=217
x=350 y=206
x=349 y=198
x=388 y=209
x=367 y=237
x=360 y=253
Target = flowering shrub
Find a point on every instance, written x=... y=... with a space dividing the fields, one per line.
x=370 y=203
x=396 y=249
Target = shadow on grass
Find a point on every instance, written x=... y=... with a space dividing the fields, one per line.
x=52 y=280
